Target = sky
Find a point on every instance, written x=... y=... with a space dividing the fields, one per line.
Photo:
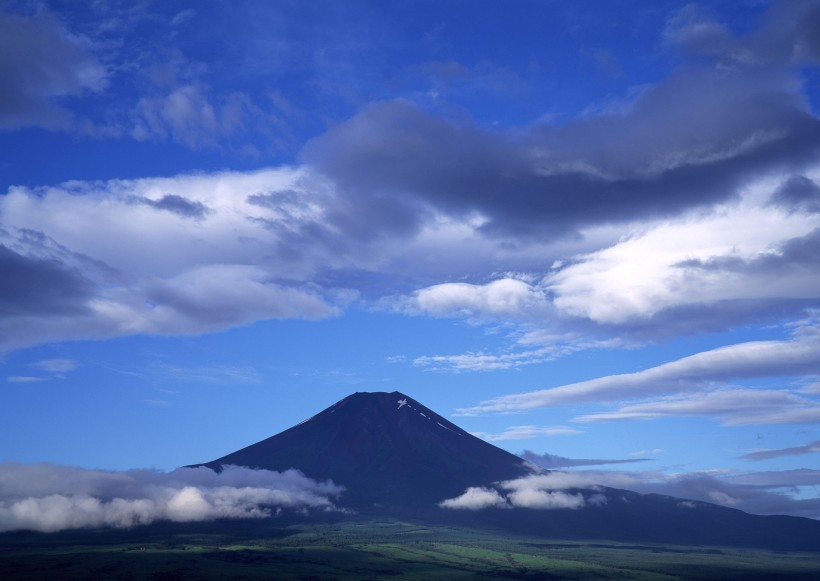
x=587 y=232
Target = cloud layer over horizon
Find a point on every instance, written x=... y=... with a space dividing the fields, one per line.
x=49 y=498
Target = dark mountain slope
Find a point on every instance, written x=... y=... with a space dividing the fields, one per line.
x=386 y=453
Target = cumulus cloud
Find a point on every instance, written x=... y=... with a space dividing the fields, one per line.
x=201 y=259
x=539 y=492
x=509 y=297
x=50 y=498
x=475 y=498
x=745 y=254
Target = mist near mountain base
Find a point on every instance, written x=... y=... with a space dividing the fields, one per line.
x=49 y=498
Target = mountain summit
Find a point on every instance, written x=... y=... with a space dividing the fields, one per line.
x=387 y=449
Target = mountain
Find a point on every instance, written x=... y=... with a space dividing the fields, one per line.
x=387 y=449
x=396 y=457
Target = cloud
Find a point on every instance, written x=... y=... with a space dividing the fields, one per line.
x=178 y=205
x=38 y=285
x=25 y=379
x=485 y=361
x=57 y=366
x=798 y=193
x=734 y=406
x=201 y=259
x=756 y=359
x=191 y=115
x=552 y=461
x=40 y=62
x=212 y=374
x=50 y=498
x=745 y=254
x=475 y=498
x=526 y=432
x=556 y=180
x=810 y=448
x=754 y=492
x=507 y=297
x=789 y=36
x=707 y=220
x=539 y=492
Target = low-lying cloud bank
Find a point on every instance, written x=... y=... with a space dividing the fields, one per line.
x=765 y=493
x=538 y=491
x=48 y=498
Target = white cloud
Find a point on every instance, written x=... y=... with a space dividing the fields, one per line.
x=189 y=114
x=544 y=499
x=504 y=297
x=796 y=356
x=485 y=361
x=201 y=256
x=754 y=492
x=733 y=406
x=689 y=261
x=51 y=498
x=527 y=432
x=475 y=498
x=25 y=379
x=540 y=492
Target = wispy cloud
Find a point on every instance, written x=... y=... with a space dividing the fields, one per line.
x=231 y=374
x=734 y=406
x=553 y=461
x=56 y=366
x=25 y=379
x=799 y=355
x=526 y=432
x=810 y=448
x=485 y=361
x=50 y=498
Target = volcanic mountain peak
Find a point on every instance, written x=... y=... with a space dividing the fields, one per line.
x=387 y=449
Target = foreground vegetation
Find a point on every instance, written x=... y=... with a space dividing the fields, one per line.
x=370 y=549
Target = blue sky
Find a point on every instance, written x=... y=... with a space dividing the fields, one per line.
x=587 y=230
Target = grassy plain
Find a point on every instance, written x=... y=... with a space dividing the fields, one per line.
x=370 y=549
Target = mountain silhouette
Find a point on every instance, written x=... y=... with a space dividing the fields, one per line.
x=396 y=457
x=387 y=449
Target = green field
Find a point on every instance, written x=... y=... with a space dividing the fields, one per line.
x=370 y=549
